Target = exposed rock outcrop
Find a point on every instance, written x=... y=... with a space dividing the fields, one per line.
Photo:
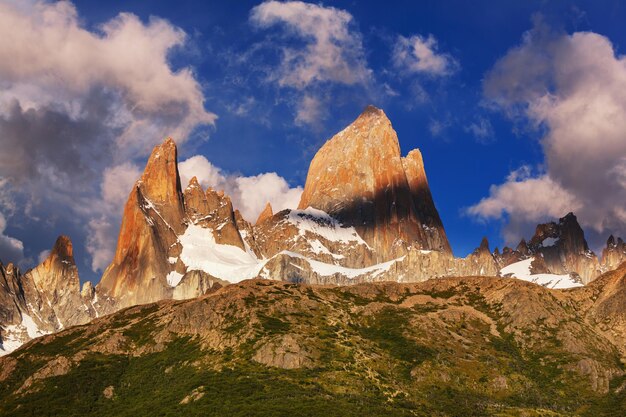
x=46 y=299
x=359 y=178
x=265 y=214
x=152 y=221
x=614 y=254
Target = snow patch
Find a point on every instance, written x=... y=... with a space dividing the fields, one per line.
x=227 y=262
x=326 y=270
x=521 y=270
x=318 y=248
x=14 y=336
x=173 y=278
x=321 y=223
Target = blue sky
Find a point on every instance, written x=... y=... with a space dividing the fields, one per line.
x=489 y=106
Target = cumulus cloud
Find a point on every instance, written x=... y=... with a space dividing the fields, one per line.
x=420 y=55
x=319 y=46
x=332 y=52
x=248 y=194
x=569 y=87
x=76 y=102
x=11 y=249
x=526 y=196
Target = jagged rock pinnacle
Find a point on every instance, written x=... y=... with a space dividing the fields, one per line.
x=265 y=214
x=359 y=177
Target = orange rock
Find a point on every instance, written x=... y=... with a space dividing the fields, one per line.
x=265 y=214
x=358 y=176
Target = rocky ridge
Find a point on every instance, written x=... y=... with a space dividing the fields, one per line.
x=366 y=214
x=45 y=299
x=452 y=346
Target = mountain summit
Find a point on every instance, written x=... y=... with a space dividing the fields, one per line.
x=366 y=214
x=360 y=178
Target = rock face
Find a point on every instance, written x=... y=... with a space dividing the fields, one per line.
x=53 y=288
x=614 y=254
x=360 y=178
x=557 y=248
x=427 y=213
x=158 y=219
x=46 y=299
x=564 y=249
x=153 y=219
x=265 y=214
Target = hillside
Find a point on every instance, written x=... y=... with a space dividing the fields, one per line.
x=450 y=346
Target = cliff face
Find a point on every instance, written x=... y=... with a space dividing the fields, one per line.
x=360 y=178
x=557 y=248
x=614 y=254
x=366 y=214
x=427 y=213
x=46 y=299
x=154 y=217
x=158 y=219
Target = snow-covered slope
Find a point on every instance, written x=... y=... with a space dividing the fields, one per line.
x=522 y=270
x=13 y=336
x=201 y=252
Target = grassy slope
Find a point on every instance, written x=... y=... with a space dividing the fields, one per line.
x=383 y=360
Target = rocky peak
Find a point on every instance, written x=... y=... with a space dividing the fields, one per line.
x=423 y=202
x=359 y=178
x=160 y=180
x=265 y=214
x=484 y=246
x=196 y=204
x=58 y=271
x=217 y=214
x=613 y=254
x=522 y=248
x=154 y=217
x=564 y=248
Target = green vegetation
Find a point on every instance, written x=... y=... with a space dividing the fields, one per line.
x=371 y=357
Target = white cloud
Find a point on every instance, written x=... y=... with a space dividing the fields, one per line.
x=11 y=249
x=101 y=240
x=248 y=194
x=524 y=196
x=319 y=47
x=79 y=106
x=43 y=255
x=418 y=54
x=481 y=129
x=256 y=191
x=310 y=111
x=571 y=87
x=332 y=51
x=118 y=182
x=208 y=175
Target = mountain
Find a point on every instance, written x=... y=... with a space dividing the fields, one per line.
x=366 y=214
x=558 y=249
x=45 y=299
x=614 y=254
x=360 y=178
x=148 y=238
x=445 y=347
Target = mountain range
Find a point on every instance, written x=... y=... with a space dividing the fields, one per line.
x=361 y=270
x=366 y=214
